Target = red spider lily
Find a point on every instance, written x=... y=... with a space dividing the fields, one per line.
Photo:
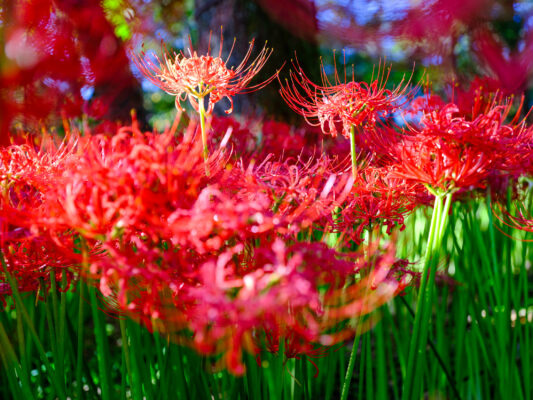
x=376 y=287
x=297 y=142
x=280 y=296
x=173 y=246
x=510 y=67
x=450 y=151
x=34 y=260
x=301 y=193
x=196 y=77
x=32 y=252
x=228 y=132
x=375 y=199
x=259 y=139
x=341 y=105
x=118 y=180
x=478 y=97
x=425 y=104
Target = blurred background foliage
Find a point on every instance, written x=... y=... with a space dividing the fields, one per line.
x=70 y=58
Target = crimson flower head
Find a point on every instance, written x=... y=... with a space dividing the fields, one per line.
x=197 y=76
x=341 y=104
x=449 y=151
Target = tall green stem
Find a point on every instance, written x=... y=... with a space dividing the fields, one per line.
x=353 y=151
x=201 y=111
x=439 y=221
x=79 y=360
x=358 y=332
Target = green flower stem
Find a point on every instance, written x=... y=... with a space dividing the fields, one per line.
x=79 y=361
x=102 y=351
x=201 y=111
x=351 y=363
x=57 y=327
x=9 y=359
x=24 y=360
x=353 y=152
x=358 y=332
x=332 y=238
x=439 y=220
x=62 y=322
x=134 y=380
x=436 y=353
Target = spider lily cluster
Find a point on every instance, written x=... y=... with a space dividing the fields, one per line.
x=229 y=245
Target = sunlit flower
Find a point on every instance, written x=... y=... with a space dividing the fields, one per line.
x=198 y=76
x=449 y=151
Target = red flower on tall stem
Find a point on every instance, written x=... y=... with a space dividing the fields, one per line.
x=341 y=103
x=450 y=151
x=196 y=77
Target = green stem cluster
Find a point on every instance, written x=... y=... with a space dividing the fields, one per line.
x=439 y=220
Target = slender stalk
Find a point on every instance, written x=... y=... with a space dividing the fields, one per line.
x=11 y=361
x=437 y=355
x=439 y=220
x=201 y=111
x=79 y=361
x=332 y=238
x=353 y=152
x=353 y=354
x=101 y=347
x=57 y=337
x=351 y=363
x=134 y=381
x=24 y=359
x=62 y=322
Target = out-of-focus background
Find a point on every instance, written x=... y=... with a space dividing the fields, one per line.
x=69 y=59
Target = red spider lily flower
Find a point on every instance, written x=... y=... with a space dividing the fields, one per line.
x=196 y=77
x=174 y=244
x=281 y=295
x=34 y=253
x=301 y=193
x=33 y=261
x=478 y=96
x=120 y=182
x=341 y=105
x=510 y=67
x=375 y=199
x=228 y=132
x=450 y=151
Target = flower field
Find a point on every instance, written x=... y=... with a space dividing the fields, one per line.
x=379 y=249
